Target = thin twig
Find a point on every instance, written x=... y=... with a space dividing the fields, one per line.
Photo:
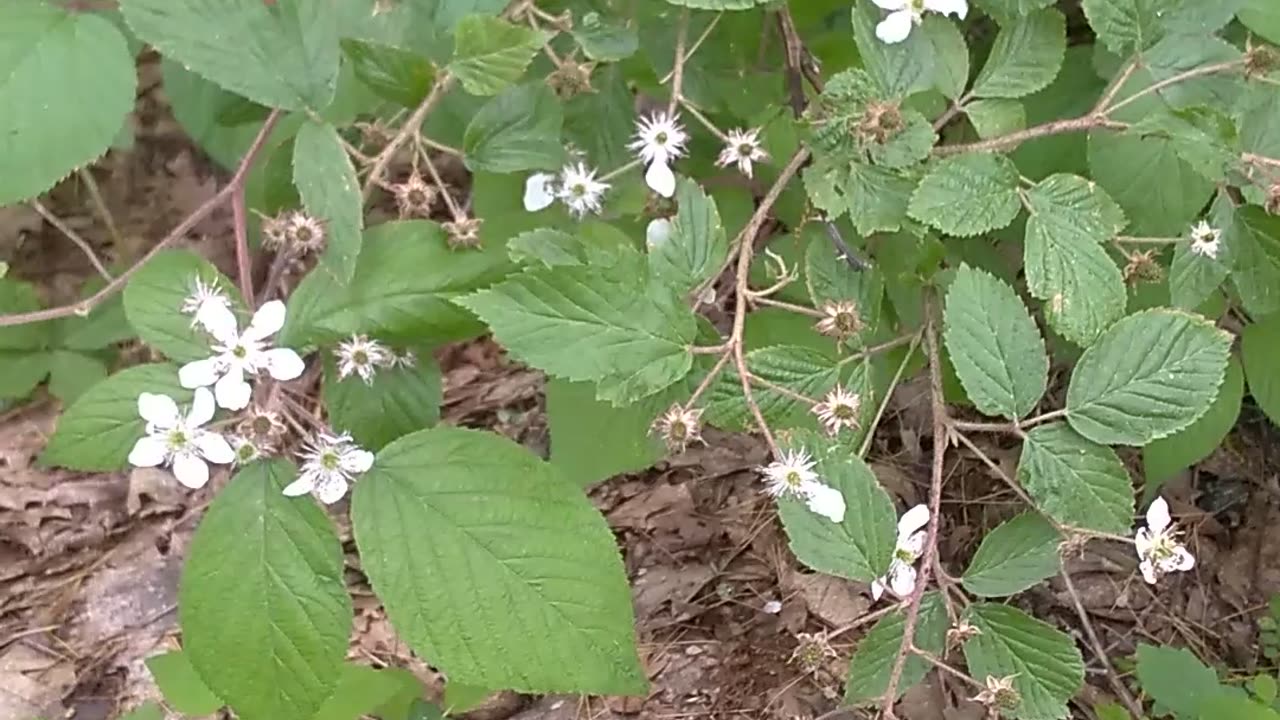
x=243 y=262
x=763 y=299
x=677 y=69
x=73 y=236
x=706 y=122
x=696 y=44
x=888 y=395
x=716 y=369
x=941 y=664
x=1175 y=79
x=100 y=203
x=442 y=86
x=449 y=202
x=88 y=304
x=1114 y=88
x=1135 y=708
x=1012 y=140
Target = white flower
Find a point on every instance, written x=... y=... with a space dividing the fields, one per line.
x=236 y=354
x=177 y=440
x=679 y=427
x=329 y=462
x=838 y=410
x=208 y=305
x=1206 y=241
x=839 y=319
x=539 y=191
x=659 y=140
x=793 y=475
x=657 y=233
x=742 y=148
x=580 y=190
x=906 y=14
x=901 y=578
x=1158 y=548
x=363 y=357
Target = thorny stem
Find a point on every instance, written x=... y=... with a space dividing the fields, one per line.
x=761 y=298
x=696 y=44
x=1135 y=708
x=1015 y=428
x=449 y=202
x=83 y=307
x=1087 y=122
x=876 y=349
x=952 y=112
x=941 y=664
x=781 y=389
x=73 y=236
x=1114 y=88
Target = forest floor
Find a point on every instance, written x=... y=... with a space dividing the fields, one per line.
x=89 y=563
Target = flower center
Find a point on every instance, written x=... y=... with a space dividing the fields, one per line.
x=843 y=411
x=578 y=190
x=360 y=357
x=793 y=479
x=745 y=149
x=329 y=460
x=177 y=438
x=679 y=430
x=240 y=352
x=661 y=138
x=904 y=555
x=847 y=322
x=246 y=453
x=303 y=234
x=416 y=197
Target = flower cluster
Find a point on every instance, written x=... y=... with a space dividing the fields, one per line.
x=179 y=441
x=792 y=475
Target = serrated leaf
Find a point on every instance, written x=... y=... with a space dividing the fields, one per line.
x=612 y=328
x=183 y=689
x=1075 y=210
x=1203 y=137
x=995 y=117
x=876 y=198
x=1026 y=57
x=1005 y=10
x=99 y=429
x=592 y=440
x=1164 y=458
x=522 y=540
x=604 y=40
x=1014 y=556
x=392 y=73
x=873 y=661
x=1075 y=481
x=264 y=612
x=1126 y=25
x=1263 y=18
x=860 y=547
x=491 y=54
x=54 y=64
x=154 y=297
x=21 y=297
x=554 y=248
x=1194 y=278
x=994 y=345
x=1259 y=347
x=1083 y=290
x=804 y=371
x=950 y=55
x=900 y=69
x=71 y=373
x=1252 y=239
x=697 y=247
x=1175 y=679
x=1150 y=375
x=285 y=55
x=968 y=195
x=327 y=182
x=1157 y=190
x=1044 y=661
x=399 y=401
x=517 y=130
x=106 y=325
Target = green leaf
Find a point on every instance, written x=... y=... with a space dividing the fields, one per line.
x=1164 y=458
x=398 y=401
x=364 y=691
x=491 y=54
x=1152 y=374
x=264 y=612
x=1044 y=661
x=1236 y=707
x=829 y=278
x=54 y=64
x=900 y=69
x=154 y=297
x=517 y=130
x=1158 y=191
x=1083 y=289
x=859 y=548
x=592 y=440
x=1026 y=57
x=392 y=73
x=1075 y=210
x=968 y=195
x=697 y=248
x=1263 y=18
x=71 y=373
x=609 y=327
x=1194 y=278
x=20 y=297
x=1075 y=481
x=106 y=325
x=1014 y=556
x=603 y=40
x=1126 y=26
x=1259 y=347
x=285 y=55
x=803 y=371
x=875 y=198
x=995 y=345
x=718 y=4
x=1175 y=679
x=951 y=55
x=99 y=429
x=873 y=661
x=1252 y=239
x=1203 y=137
x=996 y=117
x=23 y=371
x=1111 y=711
x=1006 y=10
x=327 y=182
x=183 y=689
x=516 y=582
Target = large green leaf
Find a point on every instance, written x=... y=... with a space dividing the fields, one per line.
x=363 y=691
x=1252 y=239
x=394 y=73
x=99 y=429
x=1152 y=374
x=610 y=327
x=994 y=345
x=265 y=614
x=1259 y=348
x=71 y=373
x=1075 y=481
x=697 y=246
x=1044 y=661
x=968 y=195
x=53 y=65
x=154 y=297
x=1176 y=680
x=802 y=370
x=591 y=440
x=1160 y=192
x=398 y=401
x=899 y=69
x=873 y=661
x=517 y=130
x=1074 y=210
x=327 y=182
x=1164 y=458
x=183 y=689
x=494 y=566
x=1014 y=556
x=1026 y=57
x=283 y=55
x=861 y=546
x=491 y=54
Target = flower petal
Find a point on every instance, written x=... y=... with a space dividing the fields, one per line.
x=661 y=179
x=303 y=485
x=283 y=363
x=1143 y=541
x=1181 y=561
x=912 y=520
x=214 y=448
x=959 y=8
x=232 y=391
x=1148 y=572
x=266 y=322
x=896 y=27
x=913 y=543
x=890 y=4
x=190 y=470
x=357 y=461
x=877 y=589
x=202 y=408
x=657 y=233
x=218 y=319
x=159 y=410
x=825 y=501
x=902 y=580
x=149 y=451
x=1158 y=516
x=331 y=489
x=537 y=192
x=200 y=373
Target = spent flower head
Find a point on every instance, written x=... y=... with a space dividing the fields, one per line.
x=1159 y=551
x=463 y=233
x=679 y=427
x=838 y=410
x=329 y=464
x=414 y=197
x=792 y=475
x=1206 y=240
x=901 y=577
x=178 y=440
x=208 y=305
x=840 y=319
x=304 y=233
x=812 y=651
x=237 y=354
x=999 y=693
x=263 y=427
x=742 y=148
x=361 y=356
x=580 y=190
x=906 y=14
x=660 y=140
